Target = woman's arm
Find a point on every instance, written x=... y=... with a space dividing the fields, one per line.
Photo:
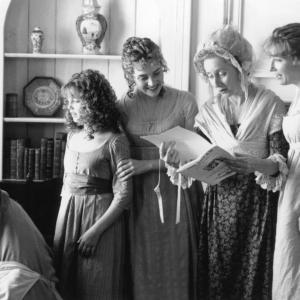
x=130 y=167
x=248 y=164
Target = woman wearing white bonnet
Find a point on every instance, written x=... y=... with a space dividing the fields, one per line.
x=239 y=214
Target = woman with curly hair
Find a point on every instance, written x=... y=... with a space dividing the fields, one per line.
x=89 y=237
x=163 y=253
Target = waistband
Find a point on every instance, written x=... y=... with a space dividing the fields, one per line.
x=86 y=185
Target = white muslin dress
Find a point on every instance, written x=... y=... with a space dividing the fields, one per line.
x=286 y=270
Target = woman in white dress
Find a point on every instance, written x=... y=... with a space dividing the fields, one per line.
x=284 y=48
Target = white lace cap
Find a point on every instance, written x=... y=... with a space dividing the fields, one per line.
x=229 y=44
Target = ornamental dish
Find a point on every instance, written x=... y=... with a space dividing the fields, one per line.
x=42 y=96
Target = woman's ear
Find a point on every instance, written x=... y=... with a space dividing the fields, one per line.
x=296 y=61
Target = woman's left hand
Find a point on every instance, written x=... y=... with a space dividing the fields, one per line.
x=240 y=164
x=129 y=167
x=87 y=243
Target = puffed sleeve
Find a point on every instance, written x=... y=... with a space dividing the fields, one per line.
x=122 y=190
x=190 y=110
x=278 y=148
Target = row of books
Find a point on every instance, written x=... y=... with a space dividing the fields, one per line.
x=44 y=162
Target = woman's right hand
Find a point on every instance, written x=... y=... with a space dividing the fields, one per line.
x=169 y=154
x=129 y=167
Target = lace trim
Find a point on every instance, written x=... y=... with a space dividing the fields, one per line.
x=185 y=183
x=273 y=183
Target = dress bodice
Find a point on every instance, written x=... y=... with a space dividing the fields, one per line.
x=144 y=116
x=95 y=163
x=291 y=128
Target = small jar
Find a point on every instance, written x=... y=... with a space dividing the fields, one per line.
x=37 y=37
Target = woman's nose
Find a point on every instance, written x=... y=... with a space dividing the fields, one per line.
x=272 y=67
x=217 y=82
x=151 y=81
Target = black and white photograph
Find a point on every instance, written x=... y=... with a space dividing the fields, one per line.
x=149 y=150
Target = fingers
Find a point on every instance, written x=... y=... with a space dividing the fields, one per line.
x=222 y=170
x=125 y=169
x=85 y=250
x=164 y=147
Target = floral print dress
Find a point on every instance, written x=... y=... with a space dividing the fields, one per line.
x=237 y=230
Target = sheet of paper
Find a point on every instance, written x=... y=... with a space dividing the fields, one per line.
x=189 y=144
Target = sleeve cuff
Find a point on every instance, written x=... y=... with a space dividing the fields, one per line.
x=273 y=183
x=186 y=182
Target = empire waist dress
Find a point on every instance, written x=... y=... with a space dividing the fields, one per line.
x=90 y=186
x=163 y=255
x=286 y=279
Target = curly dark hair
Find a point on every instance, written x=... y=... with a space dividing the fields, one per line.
x=137 y=50
x=99 y=100
x=284 y=41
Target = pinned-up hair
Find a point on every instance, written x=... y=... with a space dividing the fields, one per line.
x=284 y=41
x=142 y=51
x=230 y=45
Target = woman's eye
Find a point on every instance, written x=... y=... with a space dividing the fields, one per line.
x=222 y=74
x=143 y=78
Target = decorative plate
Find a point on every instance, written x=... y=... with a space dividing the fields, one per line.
x=42 y=96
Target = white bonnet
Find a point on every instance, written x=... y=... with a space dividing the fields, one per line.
x=229 y=44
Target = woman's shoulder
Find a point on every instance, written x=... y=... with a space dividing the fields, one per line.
x=183 y=100
x=268 y=95
x=178 y=94
x=118 y=139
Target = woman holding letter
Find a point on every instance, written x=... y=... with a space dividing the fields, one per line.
x=163 y=252
x=237 y=229
x=284 y=48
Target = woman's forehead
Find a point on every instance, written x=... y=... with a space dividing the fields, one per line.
x=146 y=67
x=216 y=62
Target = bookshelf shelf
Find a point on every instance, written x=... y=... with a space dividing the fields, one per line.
x=61 y=56
x=24 y=181
x=34 y=120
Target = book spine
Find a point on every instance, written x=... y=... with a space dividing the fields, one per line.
x=37 y=158
x=43 y=161
x=56 y=158
x=6 y=159
x=49 y=158
x=20 y=159
x=26 y=162
x=13 y=159
x=31 y=153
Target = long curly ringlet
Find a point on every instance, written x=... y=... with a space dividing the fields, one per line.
x=99 y=100
x=139 y=50
x=284 y=41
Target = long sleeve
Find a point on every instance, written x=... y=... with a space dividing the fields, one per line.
x=278 y=148
x=122 y=190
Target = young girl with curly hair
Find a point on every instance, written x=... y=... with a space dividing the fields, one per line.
x=89 y=237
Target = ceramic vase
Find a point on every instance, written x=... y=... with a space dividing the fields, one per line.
x=37 y=37
x=91 y=27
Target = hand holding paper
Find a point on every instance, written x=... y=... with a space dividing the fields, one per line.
x=204 y=159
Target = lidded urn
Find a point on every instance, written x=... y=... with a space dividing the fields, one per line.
x=91 y=27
